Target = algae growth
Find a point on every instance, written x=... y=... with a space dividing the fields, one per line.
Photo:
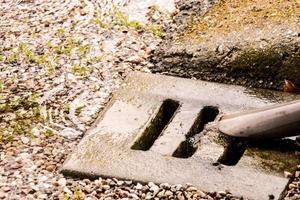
x=275 y=155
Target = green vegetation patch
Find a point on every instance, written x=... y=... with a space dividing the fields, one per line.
x=18 y=116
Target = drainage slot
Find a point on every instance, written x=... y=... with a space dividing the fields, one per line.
x=275 y=154
x=157 y=125
x=188 y=147
x=233 y=151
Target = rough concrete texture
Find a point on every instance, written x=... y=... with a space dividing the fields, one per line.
x=107 y=149
x=250 y=42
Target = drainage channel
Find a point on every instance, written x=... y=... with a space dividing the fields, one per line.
x=157 y=125
x=188 y=147
x=274 y=150
x=151 y=128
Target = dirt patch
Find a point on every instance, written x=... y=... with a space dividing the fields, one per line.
x=252 y=43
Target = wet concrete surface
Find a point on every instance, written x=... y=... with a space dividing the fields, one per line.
x=124 y=142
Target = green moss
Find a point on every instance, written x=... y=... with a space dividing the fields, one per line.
x=80 y=70
x=67 y=109
x=66 y=196
x=291 y=68
x=98 y=21
x=60 y=32
x=58 y=49
x=273 y=160
x=40 y=59
x=13 y=58
x=261 y=62
x=157 y=31
x=83 y=49
x=27 y=114
x=30 y=55
x=274 y=64
x=277 y=155
x=122 y=20
x=17 y=103
x=2 y=86
x=79 y=110
x=77 y=194
x=49 y=133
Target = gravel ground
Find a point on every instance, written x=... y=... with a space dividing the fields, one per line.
x=59 y=62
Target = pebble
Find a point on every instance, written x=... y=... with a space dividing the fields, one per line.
x=25 y=140
x=50 y=168
x=106 y=187
x=161 y=194
x=191 y=189
x=287 y=174
x=2 y=195
x=62 y=182
x=6 y=189
x=154 y=189
x=134 y=196
x=168 y=193
x=138 y=186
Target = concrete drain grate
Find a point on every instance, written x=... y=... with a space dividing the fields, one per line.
x=149 y=129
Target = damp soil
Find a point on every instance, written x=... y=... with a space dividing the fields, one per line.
x=252 y=43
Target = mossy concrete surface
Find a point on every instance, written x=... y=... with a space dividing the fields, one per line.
x=249 y=42
x=146 y=101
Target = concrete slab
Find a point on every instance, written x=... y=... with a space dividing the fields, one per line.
x=146 y=131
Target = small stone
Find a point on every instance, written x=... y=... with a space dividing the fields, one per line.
x=133 y=196
x=106 y=187
x=35 y=132
x=70 y=77
x=43 y=178
x=168 y=193
x=50 y=168
x=165 y=185
x=67 y=190
x=154 y=189
x=128 y=182
x=151 y=184
x=148 y=196
x=202 y=194
x=180 y=196
x=2 y=195
x=138 y=186
x=161 y=194
x=297 y=174
x=190 y=189
x=6 y=189
x=62 y=182
x=135 y=59
x=119 y=183
x=291 y=186
x=42 y=196
x=25 y=140
x=287 y=174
